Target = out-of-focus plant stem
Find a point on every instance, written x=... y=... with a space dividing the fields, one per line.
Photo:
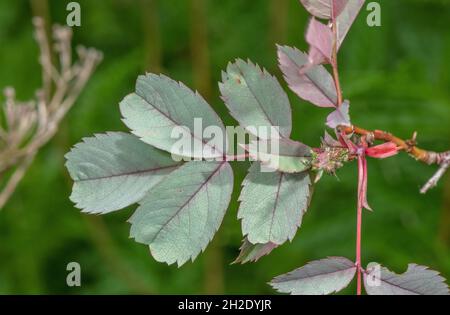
x=103 y=242
x=444 y=231
x=213 y=267
x=40 y=8
x=152 y=41
x=279 y=10
x=199 y=47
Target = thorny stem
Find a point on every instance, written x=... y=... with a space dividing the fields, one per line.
x=409 y=146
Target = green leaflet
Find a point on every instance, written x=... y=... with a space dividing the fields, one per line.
x=417 y=280
x=318 y=277
x=284 y=155
x=162 y=110
x=272 y=205
x=255 y=99
x=114 y=170
x=180 y=216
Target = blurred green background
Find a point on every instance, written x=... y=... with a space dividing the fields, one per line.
x=396 y=76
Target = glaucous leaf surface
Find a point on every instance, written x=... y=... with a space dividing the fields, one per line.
x=114 y=170
x=340 y=116
x=318 y=277
x=323 y=8
x=255 y=98
x=314 y=84
x=320 y=38
x=161 y=104
x=417 y=280
x=346 y=18
x=181 y=214
x=282 y=155
x=253 y=252
x=272 y=205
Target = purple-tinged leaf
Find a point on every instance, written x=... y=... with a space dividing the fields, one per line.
x=417 y=280
x=323 y=8
x=320 y=38
x=346 y=13
x=329 y=141
x=253 y=252
x=315 y=85
x=340 y=117
x=346 y=18
x=318 y=277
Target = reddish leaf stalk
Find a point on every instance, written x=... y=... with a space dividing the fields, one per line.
x=361 y=159
x=334 y=61
x=364 y=148
x=358 y=245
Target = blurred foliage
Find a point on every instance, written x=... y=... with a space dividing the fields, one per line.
x=397 y=77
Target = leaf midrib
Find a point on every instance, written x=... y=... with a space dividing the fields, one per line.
x=319 y=275
x=260 y=103
x=129 y=173
x=176 y=122
x=187 y=201
x=397 y=286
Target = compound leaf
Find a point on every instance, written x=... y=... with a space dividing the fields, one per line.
x=319 y=277
x=181 y=214
x=162 y=109
x=256 y=99
x=114 y=170
x=417 y=280
x=273 y=204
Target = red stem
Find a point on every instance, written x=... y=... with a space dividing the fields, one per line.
x=334 y=64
